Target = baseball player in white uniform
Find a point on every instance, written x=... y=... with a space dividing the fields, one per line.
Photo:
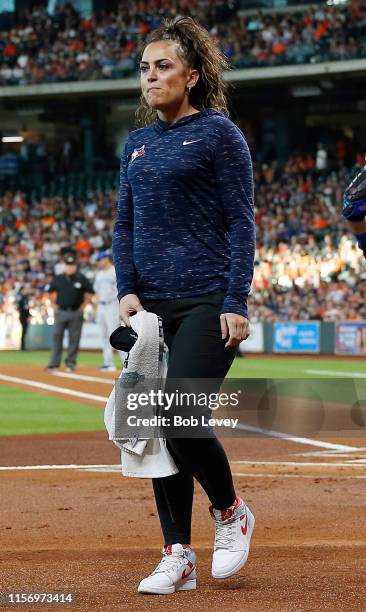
x=107 y=313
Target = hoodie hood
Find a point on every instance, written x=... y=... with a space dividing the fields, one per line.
x=162 y=126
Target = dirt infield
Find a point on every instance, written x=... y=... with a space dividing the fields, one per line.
x=94 y=533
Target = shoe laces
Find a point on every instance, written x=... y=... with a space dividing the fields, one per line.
x=169 y=563
x=225 y=533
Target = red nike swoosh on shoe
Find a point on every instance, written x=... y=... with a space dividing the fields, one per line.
x=245 y=528
x=185 y=575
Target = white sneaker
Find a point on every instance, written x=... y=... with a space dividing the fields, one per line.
x=234 y=528
x=175 y=572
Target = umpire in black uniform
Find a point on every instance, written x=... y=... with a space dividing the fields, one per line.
x=24 y=314
x=73 y=293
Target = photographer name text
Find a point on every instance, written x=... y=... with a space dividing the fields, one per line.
x=179 y=421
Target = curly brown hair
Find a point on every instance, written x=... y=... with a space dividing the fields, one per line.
x=199 y=51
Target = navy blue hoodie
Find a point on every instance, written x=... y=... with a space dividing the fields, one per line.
x=185 y=222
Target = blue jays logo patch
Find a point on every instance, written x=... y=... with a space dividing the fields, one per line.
x=138 y=153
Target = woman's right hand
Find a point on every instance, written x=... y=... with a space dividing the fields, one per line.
x=129 y=304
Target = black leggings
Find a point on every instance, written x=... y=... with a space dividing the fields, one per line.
x=196 y=350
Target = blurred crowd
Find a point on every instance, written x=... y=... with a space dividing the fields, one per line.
x=34 y=237
x=307 y=264
x=66 y=47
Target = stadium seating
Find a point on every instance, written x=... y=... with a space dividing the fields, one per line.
x=65 y=47
x=307 y=265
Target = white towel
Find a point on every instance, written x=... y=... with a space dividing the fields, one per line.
x=149 y=358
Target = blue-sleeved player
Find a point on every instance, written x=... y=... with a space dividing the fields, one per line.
x=354 y=208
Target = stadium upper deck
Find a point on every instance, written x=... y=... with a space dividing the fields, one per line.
x=42 y=48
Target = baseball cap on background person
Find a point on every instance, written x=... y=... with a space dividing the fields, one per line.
x=103 y=255
x=70 y=259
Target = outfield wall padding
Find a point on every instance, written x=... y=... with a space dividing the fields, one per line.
x=40 y=337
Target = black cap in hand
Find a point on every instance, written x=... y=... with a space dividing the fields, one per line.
x=123 y=338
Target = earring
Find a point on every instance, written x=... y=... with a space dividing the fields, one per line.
x=189 y=90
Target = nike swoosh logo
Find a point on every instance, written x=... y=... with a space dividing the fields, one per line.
x=245 y=528
x=185 y=574
x=191 y=141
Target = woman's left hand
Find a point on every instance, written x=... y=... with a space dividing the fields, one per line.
x=235 y=326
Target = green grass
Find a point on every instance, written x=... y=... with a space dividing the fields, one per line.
x=273 y=367
x=246 y=367
x=24 y=412
x=321 y=387
x=42 y=357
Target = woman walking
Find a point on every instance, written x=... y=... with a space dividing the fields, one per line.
x=183 y=248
